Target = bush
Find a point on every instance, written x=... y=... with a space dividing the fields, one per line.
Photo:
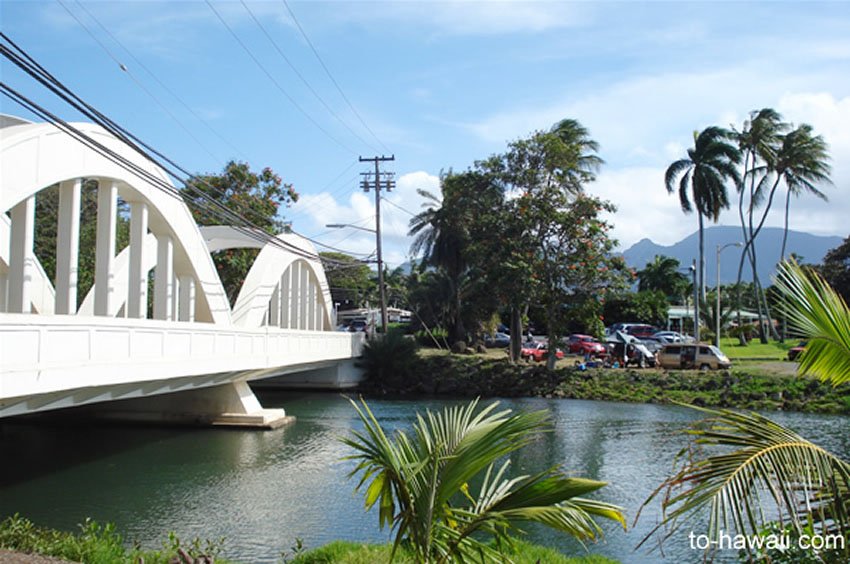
x=390 y=360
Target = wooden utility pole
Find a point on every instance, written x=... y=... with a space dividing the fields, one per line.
x=377 y=184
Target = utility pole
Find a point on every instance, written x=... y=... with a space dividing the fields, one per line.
x=377 y=184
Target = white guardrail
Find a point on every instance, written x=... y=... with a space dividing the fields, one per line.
x=42 y=354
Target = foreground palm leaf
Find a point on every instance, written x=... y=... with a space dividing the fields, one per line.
x=421 y=483
x=772 y=475
x=765 y=472
x=816 y=312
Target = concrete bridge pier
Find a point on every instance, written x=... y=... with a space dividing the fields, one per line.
x=229 y=405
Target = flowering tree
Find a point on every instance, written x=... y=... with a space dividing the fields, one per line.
x=240 y=197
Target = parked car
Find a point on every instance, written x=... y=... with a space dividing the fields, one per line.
x=794 y=352
x=358 y=325
x=690 y=356
x=641 y=330
x=673 y=337
x=497 y=340
x=654 y=344
x=585 y=345
x=538 y=351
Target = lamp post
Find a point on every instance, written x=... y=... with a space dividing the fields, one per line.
x=381 y=289
x=696 y=302
x=717 y=289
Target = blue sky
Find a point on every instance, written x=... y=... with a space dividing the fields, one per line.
x=442 y=84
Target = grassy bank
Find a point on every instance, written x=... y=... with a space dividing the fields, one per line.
x=341 y=552
x=97 y=544
x=760 y=385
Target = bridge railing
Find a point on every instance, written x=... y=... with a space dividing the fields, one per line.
x=44 y=354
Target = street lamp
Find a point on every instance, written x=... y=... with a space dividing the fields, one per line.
x=381 y=290
x=717 y=288
x=341 y=225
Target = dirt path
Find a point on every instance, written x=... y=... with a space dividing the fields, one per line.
x=9 y=557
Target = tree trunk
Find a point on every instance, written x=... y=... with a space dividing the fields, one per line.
x=701 y=281
x=551 y=359
x=785 y=231
x=516 y=334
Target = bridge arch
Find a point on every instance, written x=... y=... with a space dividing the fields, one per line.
x=285 y=287
x=36 y=156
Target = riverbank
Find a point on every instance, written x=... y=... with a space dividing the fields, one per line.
x=750 y=387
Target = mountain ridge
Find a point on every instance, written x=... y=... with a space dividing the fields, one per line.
x=812 y=249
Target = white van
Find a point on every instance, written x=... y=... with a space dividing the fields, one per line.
x=687 y=356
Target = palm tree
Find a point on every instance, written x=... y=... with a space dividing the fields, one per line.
x=446 y=486
x=662 y=274
x=577 y=138
x=802 y=162
x=759 y=142
x=702 y=178
x=440 y=237
x=773 y=473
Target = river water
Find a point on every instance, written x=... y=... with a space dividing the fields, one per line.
x=262 y=490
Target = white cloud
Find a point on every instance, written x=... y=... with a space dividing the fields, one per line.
x=322 y=209
x=644 y=209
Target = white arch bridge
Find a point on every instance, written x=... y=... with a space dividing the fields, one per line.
x=182 y=353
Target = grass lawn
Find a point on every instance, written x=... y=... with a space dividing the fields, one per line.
x=342 y=552
x=756 y=350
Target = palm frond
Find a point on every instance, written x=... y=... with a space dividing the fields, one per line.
x=772 y=474
x=419 y=482
x=817 y=312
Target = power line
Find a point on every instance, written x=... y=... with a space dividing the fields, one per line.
x=328 y=72
x=300 y=76
x=393 y=204
x=215 y=208
x=275 y=82
x=211 y=206
x=158 y=81
x=136 y=81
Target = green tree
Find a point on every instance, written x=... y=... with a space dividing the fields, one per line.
x=648 y=306
x=835 y=269
x=247 y=199
x=349 y=279
x=702 y=178
x=46 y=225
x=663 y=275
x=446 y=487
x=445 y=229
x=547 y=170
x=765 y=472
x=572 y=262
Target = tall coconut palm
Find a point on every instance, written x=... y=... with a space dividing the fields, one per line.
x=772 y=473
x=802 y=162
x=702 y=178
x=446 y=488
x=758 y=141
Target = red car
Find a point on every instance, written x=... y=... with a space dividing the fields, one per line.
x=585 y=344
x=538 y=352
x=641 y=331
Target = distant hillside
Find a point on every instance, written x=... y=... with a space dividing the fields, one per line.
x=812 y=249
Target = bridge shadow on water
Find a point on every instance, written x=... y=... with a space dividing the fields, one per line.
x=43 y=444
